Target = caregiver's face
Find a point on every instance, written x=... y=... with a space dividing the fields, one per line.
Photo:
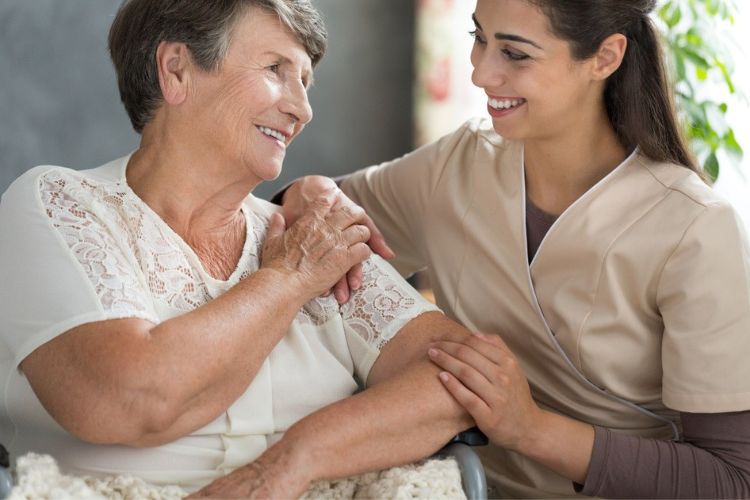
x=534 y=87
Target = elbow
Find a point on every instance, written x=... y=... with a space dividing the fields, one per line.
x=146 y=422
x=155 y=420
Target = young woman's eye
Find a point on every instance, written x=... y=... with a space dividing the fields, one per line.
x=477 y=37
x=515 y=56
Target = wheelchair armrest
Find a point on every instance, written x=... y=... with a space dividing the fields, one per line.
x=472 y=437
x=5 y=480
x=472 y=472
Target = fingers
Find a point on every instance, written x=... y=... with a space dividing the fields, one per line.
x=346 y=216
x=355 y=234
x=276 y=226
x=377 y=241
x=358 y=253
x=355 y=277
x=489 y=347
x=341 y=291
x=475 y=405
x=471 y=368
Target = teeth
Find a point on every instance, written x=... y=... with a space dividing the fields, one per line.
x=505 y=103
x=273 y=133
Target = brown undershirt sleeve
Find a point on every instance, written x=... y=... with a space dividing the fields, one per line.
x=712 y=461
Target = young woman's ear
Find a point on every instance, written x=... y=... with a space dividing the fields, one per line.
x=173 y=64
x=609 y=56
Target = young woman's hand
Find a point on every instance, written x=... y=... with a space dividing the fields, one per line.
x=299 y=199
x=483 y=375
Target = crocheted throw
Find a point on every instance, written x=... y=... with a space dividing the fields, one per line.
x=38 y=477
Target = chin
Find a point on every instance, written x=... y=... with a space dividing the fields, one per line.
x=266 y=173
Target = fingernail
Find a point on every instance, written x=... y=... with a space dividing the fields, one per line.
x=432 y=352
x=443 y=376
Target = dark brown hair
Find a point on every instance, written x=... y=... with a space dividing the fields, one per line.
x=205 y=26
x=638 y=96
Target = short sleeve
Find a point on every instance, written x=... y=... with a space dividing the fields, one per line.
x=397 y=195
x=704 y=299
x=377 y=311
x=60 y=264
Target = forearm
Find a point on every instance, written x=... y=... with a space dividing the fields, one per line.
x=129 y=382
x=202 y=361
x=560 y=443
x=402 y=419
x=713 y=462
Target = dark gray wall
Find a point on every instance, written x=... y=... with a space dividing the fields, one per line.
x=59 y=103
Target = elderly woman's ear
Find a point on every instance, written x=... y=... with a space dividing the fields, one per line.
x=173 y=63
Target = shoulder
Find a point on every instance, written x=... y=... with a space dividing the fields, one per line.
x=682 y=183
x=709 y=221
x=53 y=180
x=474 y=146
x=478 y=133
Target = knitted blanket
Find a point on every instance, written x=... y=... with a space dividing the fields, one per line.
x=38 y=477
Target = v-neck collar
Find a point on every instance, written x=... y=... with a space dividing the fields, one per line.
x=573 y=206
x=242 y=264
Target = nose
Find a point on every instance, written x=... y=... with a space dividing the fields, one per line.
x=296 y=103
x=489 y=70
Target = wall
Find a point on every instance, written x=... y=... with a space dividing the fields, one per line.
x=59 y=102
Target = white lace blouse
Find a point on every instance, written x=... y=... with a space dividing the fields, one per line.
x=80 y=246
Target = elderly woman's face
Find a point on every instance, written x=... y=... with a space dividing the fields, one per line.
x=256 y=103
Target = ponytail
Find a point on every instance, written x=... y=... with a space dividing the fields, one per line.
x=640 y=103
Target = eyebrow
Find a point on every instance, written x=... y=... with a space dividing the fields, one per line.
x=507 y=36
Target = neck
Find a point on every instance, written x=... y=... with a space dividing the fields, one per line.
x=187 y=187
x=560 y=169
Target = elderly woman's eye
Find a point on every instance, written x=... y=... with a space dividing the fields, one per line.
x=274 y=68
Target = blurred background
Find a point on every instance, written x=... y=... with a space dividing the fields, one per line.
x=396 y=75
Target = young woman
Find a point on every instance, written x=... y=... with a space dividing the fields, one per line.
x=574 y=230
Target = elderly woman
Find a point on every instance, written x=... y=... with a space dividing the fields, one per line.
x=159 y=320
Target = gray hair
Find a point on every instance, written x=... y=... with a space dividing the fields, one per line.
x=205 y=27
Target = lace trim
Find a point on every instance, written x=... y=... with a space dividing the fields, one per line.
x=375 y=312
x=123 y=248
x=377 y=306
x=96 y=252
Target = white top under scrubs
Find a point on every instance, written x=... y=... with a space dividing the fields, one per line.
x=80 y=246
x=636 y=305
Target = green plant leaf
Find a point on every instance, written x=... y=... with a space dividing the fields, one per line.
x=691 y=30
x=711 y=166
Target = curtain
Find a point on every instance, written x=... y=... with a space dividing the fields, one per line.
x=444 y=96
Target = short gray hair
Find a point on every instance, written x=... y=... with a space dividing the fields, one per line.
x=205 y=27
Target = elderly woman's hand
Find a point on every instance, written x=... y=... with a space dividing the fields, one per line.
x=308 y=190
x=280 y=472
x=319 y=248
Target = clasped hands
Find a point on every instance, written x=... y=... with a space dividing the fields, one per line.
x=321 y=239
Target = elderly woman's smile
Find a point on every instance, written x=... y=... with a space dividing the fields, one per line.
x=262 y=82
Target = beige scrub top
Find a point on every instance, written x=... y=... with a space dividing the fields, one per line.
x=635 y=307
